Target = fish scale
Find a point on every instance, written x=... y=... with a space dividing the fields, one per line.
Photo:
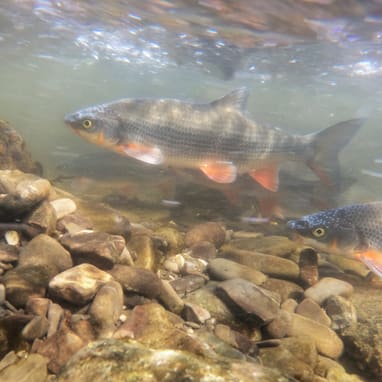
x=215 y=137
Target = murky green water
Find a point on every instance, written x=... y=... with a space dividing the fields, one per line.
x=304 y=73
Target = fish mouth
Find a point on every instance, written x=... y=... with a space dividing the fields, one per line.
x=69 y=119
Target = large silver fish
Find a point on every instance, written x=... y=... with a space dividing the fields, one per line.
x=216 y=138
x=353 y=231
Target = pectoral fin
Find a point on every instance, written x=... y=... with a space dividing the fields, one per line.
x=142 y=152
x=220 y=172
x=373 y=260
x=267 y=177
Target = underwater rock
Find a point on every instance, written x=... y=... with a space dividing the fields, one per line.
x=270 y=265
x=212 y=232
x=29 y=368
x=106 y=308
x=74 y=223
x=206 y=298
x=310 y=309
x=12 y=238
x=289 y=305
x=235 y=339
x=203 y=250
x=143 y=250
x=37 y=306
x=43 y=218
x=36 y=328
x=97 y=248
x=22 y=282
x=341 y=311
x=224 y=269
x=187 y=284
x=329 y=286
x=285 y=289
x=116 y=361
x=55 y=315
x=332 y=371
x=249 y=301
x=349 y=265
x=170 y=298
x=45 y=252
x=137 y=280
x=173 y=238
x=63 y=207
x=8 y=253
x=292 y=324
x=195 y=313
x=20 y=192
x=308 y=262
x=270 y=245
x=79 y=284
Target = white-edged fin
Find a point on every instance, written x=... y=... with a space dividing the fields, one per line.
x=147 y=154
x=237 y=99
x=220 y=172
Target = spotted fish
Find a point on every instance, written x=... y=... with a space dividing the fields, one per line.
x=353 y=230
x=216 y=138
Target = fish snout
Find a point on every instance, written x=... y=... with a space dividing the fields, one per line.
x=298 y=225
x=71 y=118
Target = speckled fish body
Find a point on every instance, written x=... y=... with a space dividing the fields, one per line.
x=216 y=137
x=353 y=230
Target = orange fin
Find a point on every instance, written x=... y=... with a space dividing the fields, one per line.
x=142 y=152
x=220 y=172
x=373 y=260
x=267 y=177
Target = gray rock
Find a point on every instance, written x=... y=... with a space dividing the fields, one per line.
x=20 y=192
x=249 y=300
x=36 y=328
x=212 y=232
x=106 y=308
x=47 y=253
x=43 y=218
x=187 y=284
x=116 y=361
x=329 y=286
x=63 y=207
x=310 y=309
x=285 y=289
x=223 y=269
x=97 y=248
x=29 y=369
x=292 y=324
x=270 y=265
x=137 y=280
x=78 y=285
x=341 y=311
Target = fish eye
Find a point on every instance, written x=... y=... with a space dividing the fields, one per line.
x=87 y=123
x=319 y=232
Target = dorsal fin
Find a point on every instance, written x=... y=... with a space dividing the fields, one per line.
x=236 y=99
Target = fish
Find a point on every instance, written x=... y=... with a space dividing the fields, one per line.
x=216 y=138
x=354 y=231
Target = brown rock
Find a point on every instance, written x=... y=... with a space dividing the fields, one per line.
x=137 y=280
x=212 y=232
x=223 y=269
x=249 y=300
x=37 y=306
x=55 y=315
x=79 y=284
x=170 y=298
x=187 y=284
x=308 y=263
x=173 y=238
x=195 y=313
x=289 y=305
x=43 y=218
x=143 y=250
x=97 y=248
x=341 y=311
x=203 y=250
x=310 y=309
x=285 y=289
x=74 y=223
x=36 y=328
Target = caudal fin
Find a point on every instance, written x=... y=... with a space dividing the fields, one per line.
x=324 y=146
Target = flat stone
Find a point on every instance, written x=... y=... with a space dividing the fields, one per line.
x=98 y=248
x=106 y=308
x=327 y=287
x=249 y=300
x=36 y=328
x=78 y=285
x=47 y=253
x=310 y=309
x=285 y=289
x=224 y=269
x=63 y=207
x=137 y=280
x=270 y=245
x=170 y=298
x=212 y=232
x=117 y=361
x=74 y=223
x=30 y=369
x=270 y=265
x=195 y=313
x=341 y=312
x=187 y=284
x=292 y=324
x=43 y=218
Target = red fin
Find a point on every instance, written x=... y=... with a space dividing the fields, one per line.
x=373 y=259
x=267 y=177
x=220 y=172
x=142 y=152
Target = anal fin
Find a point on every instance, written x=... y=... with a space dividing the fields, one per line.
x=220 y=172
x=268 y=177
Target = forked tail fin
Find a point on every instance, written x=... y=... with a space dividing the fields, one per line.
x=324 y=146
